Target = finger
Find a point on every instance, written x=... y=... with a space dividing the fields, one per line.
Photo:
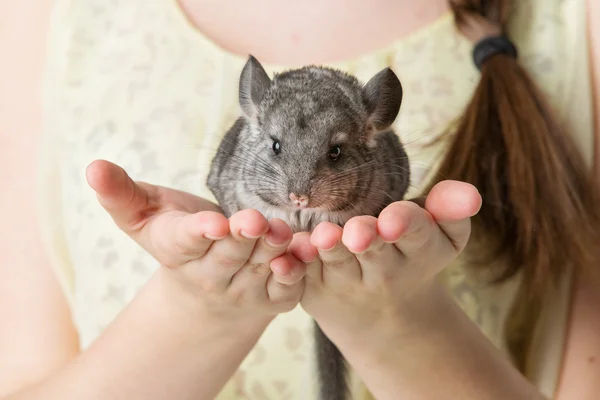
x=359 y=233
x=410 y=227
x=126 y=201
x=248 y=225
x=285 y=292
x=193 y=235
x=177 y=237
x=340 y=267
x=288 y=269
x=225 y=257
x=270 y=246
x=378 y=260
x=452 y=204
x=302 y=248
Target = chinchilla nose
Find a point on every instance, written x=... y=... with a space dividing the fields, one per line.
x=300 y=201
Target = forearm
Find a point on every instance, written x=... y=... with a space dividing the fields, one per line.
x=155 y=349
x=438 y=354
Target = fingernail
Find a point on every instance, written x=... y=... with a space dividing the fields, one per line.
x=248 y=236
x=331 y=248
x=271 y=243
x=211 y=237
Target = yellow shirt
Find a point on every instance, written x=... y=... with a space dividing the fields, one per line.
x=133 y=82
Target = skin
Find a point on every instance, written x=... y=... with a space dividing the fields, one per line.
x=197 y=318
x=386 y=268
x=26 y=279
x=40 y=357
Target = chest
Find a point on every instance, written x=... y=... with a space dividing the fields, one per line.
x=312 y=31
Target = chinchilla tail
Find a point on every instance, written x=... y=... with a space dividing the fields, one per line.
x=331 y=369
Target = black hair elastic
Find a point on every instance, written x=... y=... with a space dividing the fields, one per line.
x=490 y=46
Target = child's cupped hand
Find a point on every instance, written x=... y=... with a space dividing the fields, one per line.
x=365 y=281
x=236 y=268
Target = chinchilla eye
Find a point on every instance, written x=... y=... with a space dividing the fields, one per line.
x=276 y=147
x=335 y=152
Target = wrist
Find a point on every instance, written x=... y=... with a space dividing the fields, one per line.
x=430 y=337
x=183 y=302
x=402 y=323
x=163 y=342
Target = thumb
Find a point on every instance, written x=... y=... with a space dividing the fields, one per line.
x=127 y=202
x=452 y=204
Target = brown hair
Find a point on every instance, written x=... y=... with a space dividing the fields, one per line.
x=540 y=213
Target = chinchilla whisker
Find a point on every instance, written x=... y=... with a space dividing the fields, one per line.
x=258 y=164
x=439 y=174
x=372 y=165
x=249 y=151
x=382 y=192
x=394 y=174
x=368 y=194
x=340 y=177
x=346 y=180
x=371 y=197
x=407 y=135
x=255 y=182
x=352 y=172
x=358 y=187
x=362 y=165
x=422 y=137
x=243 y=159
x=354 y=207
x=376 y=203
x=386 y=194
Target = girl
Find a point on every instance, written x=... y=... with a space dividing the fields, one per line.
x=151 y=86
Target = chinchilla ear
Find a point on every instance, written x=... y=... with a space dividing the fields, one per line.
x=254 y=83
x=383 y=97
